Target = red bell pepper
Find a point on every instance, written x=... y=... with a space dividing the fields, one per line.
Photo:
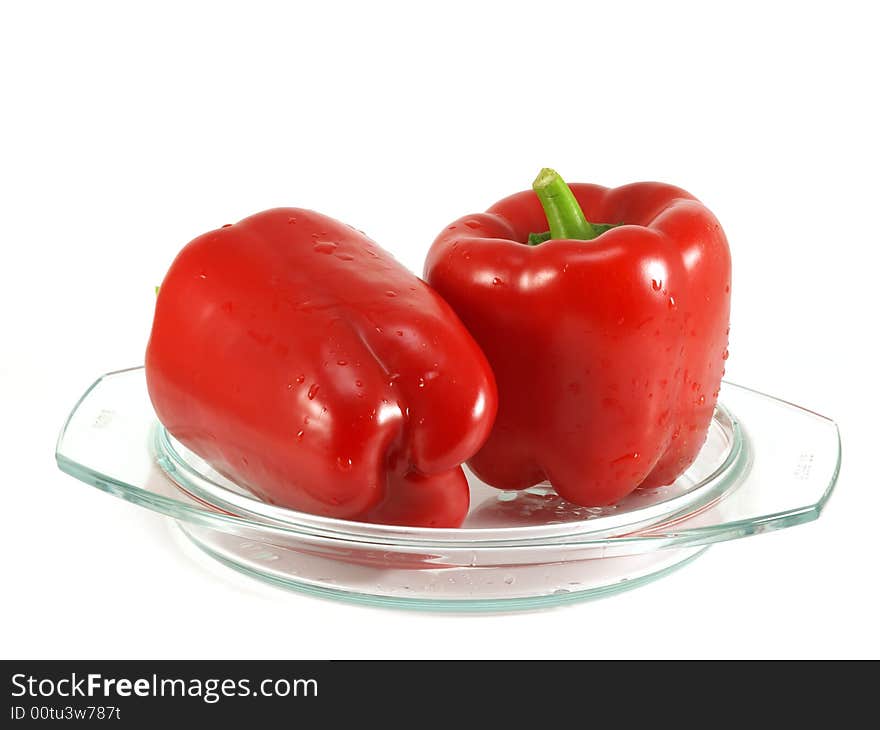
x=304 y=363
x=607 y=342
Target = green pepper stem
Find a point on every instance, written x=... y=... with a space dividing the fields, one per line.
x=563 y=213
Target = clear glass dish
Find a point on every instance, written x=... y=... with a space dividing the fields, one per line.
x=766 y=465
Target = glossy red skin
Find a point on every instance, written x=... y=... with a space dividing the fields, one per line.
x=608 y=354
x=303 y=362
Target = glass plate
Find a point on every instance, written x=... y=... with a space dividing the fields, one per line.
x=766 y=465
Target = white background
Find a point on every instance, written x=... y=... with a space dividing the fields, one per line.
x=126 y=132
